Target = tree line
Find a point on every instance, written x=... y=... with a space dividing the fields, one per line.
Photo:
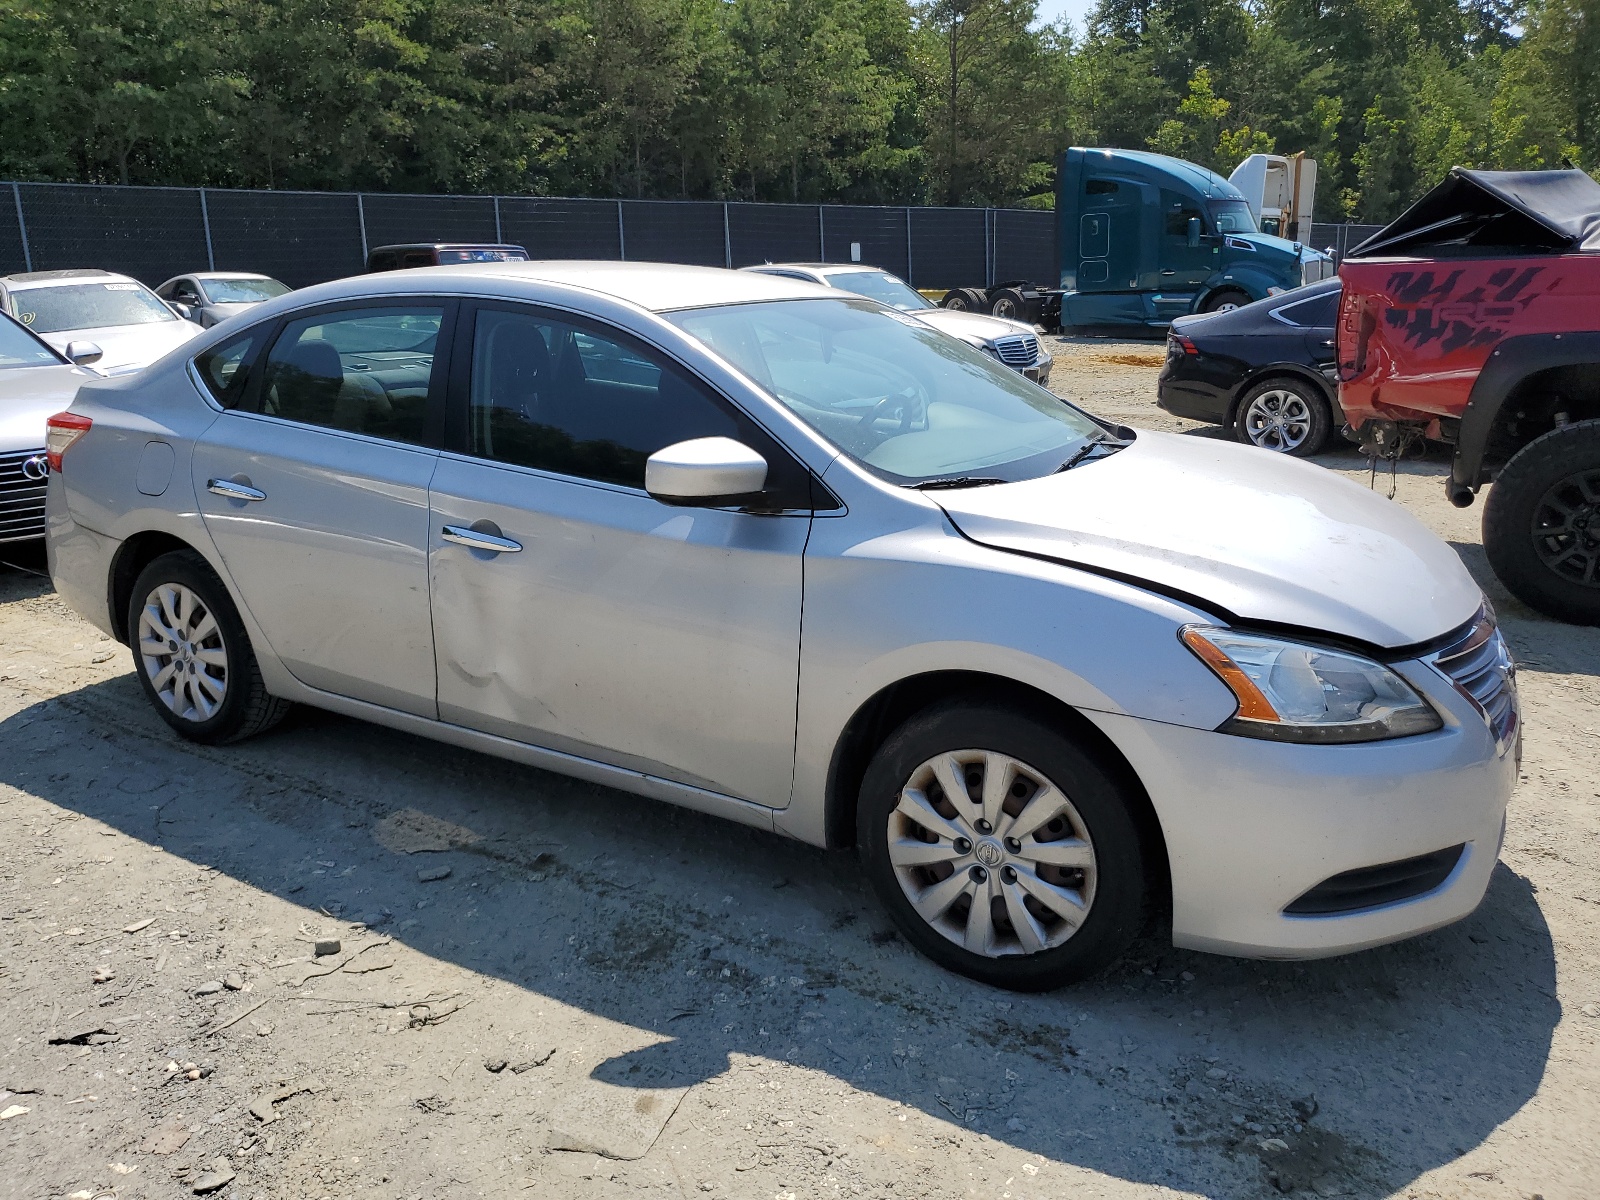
x=861 y=101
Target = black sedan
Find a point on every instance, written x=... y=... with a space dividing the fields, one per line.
x=1265 y=369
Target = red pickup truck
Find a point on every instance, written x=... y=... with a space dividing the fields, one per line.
x=1474 y=319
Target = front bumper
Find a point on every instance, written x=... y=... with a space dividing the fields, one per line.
x=1039 y=369
x=1250 y=825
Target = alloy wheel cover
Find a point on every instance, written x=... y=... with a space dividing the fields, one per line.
x=1278 y=420
x=1566 y=528
x=991 y=854
x=181 y=652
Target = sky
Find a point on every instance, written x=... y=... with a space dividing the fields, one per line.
x=1050 y=10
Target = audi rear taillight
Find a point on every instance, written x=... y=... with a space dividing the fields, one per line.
x=60 y=432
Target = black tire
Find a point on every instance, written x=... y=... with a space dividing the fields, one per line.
x=1225 y=299
x=1550 y=560
x=1305 y=420
x=1118 y=891
x=1009 y=303
x=965 y=300
x=245 y=708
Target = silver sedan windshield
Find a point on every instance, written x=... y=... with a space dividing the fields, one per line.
x=880 y=286
x=88 y=306
x=908 y=402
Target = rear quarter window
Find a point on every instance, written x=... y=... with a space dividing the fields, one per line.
x=225 y=368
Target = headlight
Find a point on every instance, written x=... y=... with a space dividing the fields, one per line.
x=1289 y=692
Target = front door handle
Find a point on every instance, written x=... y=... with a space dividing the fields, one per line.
x=478 y=540
x=234 y=491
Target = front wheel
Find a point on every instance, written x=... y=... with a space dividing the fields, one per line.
x=1288 y=416
x=192 y=655
x=1226 y=300
x=1541 y=524
x=1002 y=849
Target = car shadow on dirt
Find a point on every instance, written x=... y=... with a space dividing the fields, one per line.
x=1220 y=1076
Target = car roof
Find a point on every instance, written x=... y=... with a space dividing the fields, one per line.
x=832 y=268
x=28 y=280
x=222 y=275
x=448 y=246
x=658 y=287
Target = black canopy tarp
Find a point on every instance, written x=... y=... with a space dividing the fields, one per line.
x=1496 y=212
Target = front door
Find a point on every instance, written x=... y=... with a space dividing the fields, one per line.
x=315 y=492
x=601 y=622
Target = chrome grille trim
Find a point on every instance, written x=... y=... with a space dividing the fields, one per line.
x=1018 y=349
x=1480 y=665
x=21 y=499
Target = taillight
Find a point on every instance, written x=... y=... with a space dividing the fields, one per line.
x=1177 y=342
x=1357 y=322
x=60 y=431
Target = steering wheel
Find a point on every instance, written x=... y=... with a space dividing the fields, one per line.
x=906 y=399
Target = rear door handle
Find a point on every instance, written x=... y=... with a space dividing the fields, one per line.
x=477 y=540
x=234 y=491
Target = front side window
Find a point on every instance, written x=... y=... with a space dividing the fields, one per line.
x=88 y=306
x=909 y=403
x=225 y=368
x=880 y=286
x=1233 y=216
x=1178 y=211
x=364 y=370
x=17 y=349
x=564 y=398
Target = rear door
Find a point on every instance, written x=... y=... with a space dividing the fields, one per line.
x=314 y=489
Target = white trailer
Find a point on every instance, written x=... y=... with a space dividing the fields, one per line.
x=1280 y=190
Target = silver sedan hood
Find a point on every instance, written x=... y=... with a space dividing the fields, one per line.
x=968 y=325
x=1261 y=536
x=29 y=396
x=128 y=347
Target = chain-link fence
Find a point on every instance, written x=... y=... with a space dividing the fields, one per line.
x=307 y=237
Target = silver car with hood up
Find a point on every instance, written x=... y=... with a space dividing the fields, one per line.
x=786 y=555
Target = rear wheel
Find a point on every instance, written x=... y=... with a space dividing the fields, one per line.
x=1226 y=300
x=192 y=655
x=1288 y=416
x=1541 y=524
x=1002 y=849
x=965 y=300
x=1009 y=303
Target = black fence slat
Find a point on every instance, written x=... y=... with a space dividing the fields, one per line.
x=773 y=233
x=675 y=231
x=393 y=220
x=299 y=237
x=148 y=233
x=946 y=247
x=1025 y=246
x=12 y=257
x=879 y=232
x=561 y=228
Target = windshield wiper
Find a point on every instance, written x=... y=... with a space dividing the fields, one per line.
x=956 y=481
x=1088 y=448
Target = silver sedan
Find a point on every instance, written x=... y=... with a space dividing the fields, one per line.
x=790 y=556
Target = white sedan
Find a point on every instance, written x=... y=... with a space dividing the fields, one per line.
x=127 y=321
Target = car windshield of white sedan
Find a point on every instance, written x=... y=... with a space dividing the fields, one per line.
x=911 y=404
x=89 y=306
x=880 y=286
x=243 y=291
x=17 y=349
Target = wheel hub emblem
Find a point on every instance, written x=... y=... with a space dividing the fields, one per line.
x=989 y=854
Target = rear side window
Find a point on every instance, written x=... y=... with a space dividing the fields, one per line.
x=1318 y=312
x=361 y=370
x=225 y=368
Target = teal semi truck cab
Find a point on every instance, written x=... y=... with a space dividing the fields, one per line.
x=1142 y=238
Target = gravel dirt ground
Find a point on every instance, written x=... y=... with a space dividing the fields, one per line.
x=545 y=988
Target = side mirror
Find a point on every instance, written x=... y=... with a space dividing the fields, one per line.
x=181 y=310
x=83 y=354
x=710 y=472
x=1194 y=233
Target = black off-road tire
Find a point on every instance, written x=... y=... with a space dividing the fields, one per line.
x=1319 y=417
x=1518 y=499
x=247 y=708
x=1122 y=887
x=1218 y=300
